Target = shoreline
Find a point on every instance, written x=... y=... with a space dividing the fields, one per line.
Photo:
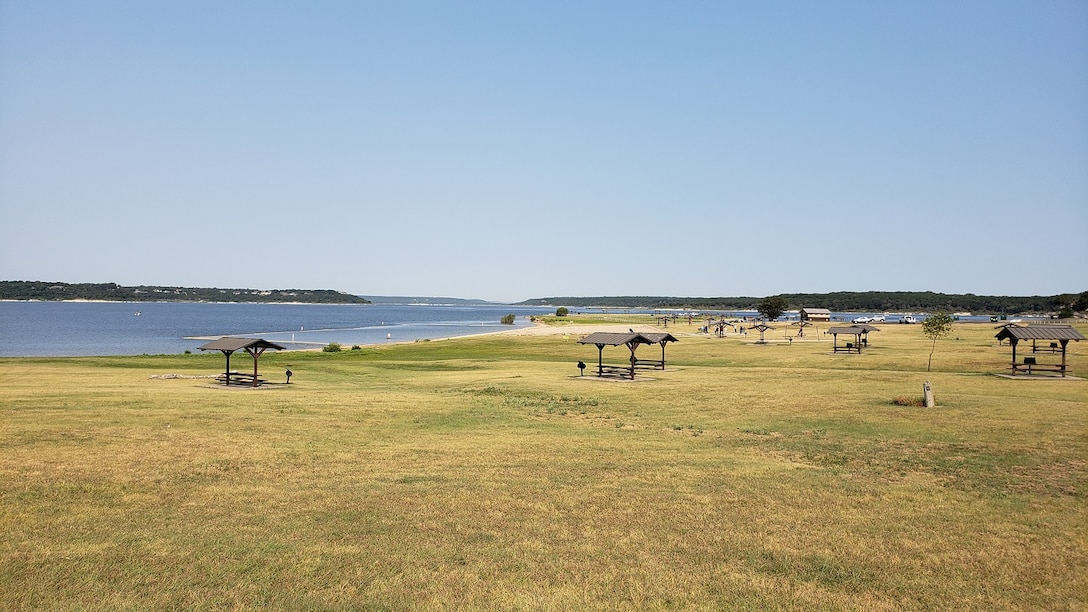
x=86 y=301
x=128 y=336
x=535 y=329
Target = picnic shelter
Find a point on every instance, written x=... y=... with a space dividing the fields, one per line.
x=801 y=325
x=1055 y=335
x=866 y=328
x=762 y=328
x=254 y=346
x=859 y=332
x=662 y=339
x=719 y=326
x=631 y=340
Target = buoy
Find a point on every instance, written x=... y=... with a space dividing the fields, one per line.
x=388 y=336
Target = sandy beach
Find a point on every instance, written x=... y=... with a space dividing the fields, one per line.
x=576 y=329
x=537 y=329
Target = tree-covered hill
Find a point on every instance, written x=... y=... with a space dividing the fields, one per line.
x=112 y=292
x=845 y=301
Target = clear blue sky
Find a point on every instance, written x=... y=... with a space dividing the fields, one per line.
x=508 y=150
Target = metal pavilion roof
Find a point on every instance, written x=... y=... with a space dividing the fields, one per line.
x=1040 y=332
x=231 y=344
x=615 y=338
x=857 y=330
x=659 y=337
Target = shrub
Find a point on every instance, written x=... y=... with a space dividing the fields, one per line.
x=561 y=311
x=356 y=347
x=332 y=347
x=507 y=320
x=903 y=400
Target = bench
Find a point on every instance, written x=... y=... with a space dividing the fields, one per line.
x=650 y=364
x=245 y=377
x=849 y=348
x=611 y=370
x=1030 y=365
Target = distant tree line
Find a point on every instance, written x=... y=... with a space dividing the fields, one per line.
x=847 y=301
x=738 y=303
x=112 y=292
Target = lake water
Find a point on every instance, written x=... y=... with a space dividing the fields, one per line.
x=38 y=329
x=114 y=328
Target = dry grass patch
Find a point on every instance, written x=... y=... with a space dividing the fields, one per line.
x=478 y=473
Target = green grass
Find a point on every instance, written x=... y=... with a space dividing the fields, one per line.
x=484 y=473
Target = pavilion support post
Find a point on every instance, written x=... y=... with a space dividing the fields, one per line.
x=632 y=346
x=227 y=371
x=256 y=352
x=1064 y=344
x=1013 y=342
x=600 y=360
x=662 y=354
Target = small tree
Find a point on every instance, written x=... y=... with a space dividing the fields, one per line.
x=772 y=307
x=934 y=327
x=507 y=320
x=561 y=311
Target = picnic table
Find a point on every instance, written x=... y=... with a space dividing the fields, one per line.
x=1030 y=365
x=245 y=377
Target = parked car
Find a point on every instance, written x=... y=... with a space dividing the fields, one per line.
x=908 y=319
x=860 y=320
x=877 y=319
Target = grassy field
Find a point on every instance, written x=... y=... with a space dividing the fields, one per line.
x=484 y=473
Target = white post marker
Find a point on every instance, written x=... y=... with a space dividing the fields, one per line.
x=928 y=391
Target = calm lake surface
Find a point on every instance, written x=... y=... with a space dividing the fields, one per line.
x=57 y=329
x=36 y=329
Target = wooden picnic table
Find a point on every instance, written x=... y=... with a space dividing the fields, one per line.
x=246 y=377
x=1030 y=365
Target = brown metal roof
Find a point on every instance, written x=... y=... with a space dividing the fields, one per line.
x=856 y=330
x=659 y=337
x=816 y=311
x=1040 y=332
x=615 y=338
x=231 y=344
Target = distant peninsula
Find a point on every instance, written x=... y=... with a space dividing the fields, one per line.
x=112 y=292
x=843 y=301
